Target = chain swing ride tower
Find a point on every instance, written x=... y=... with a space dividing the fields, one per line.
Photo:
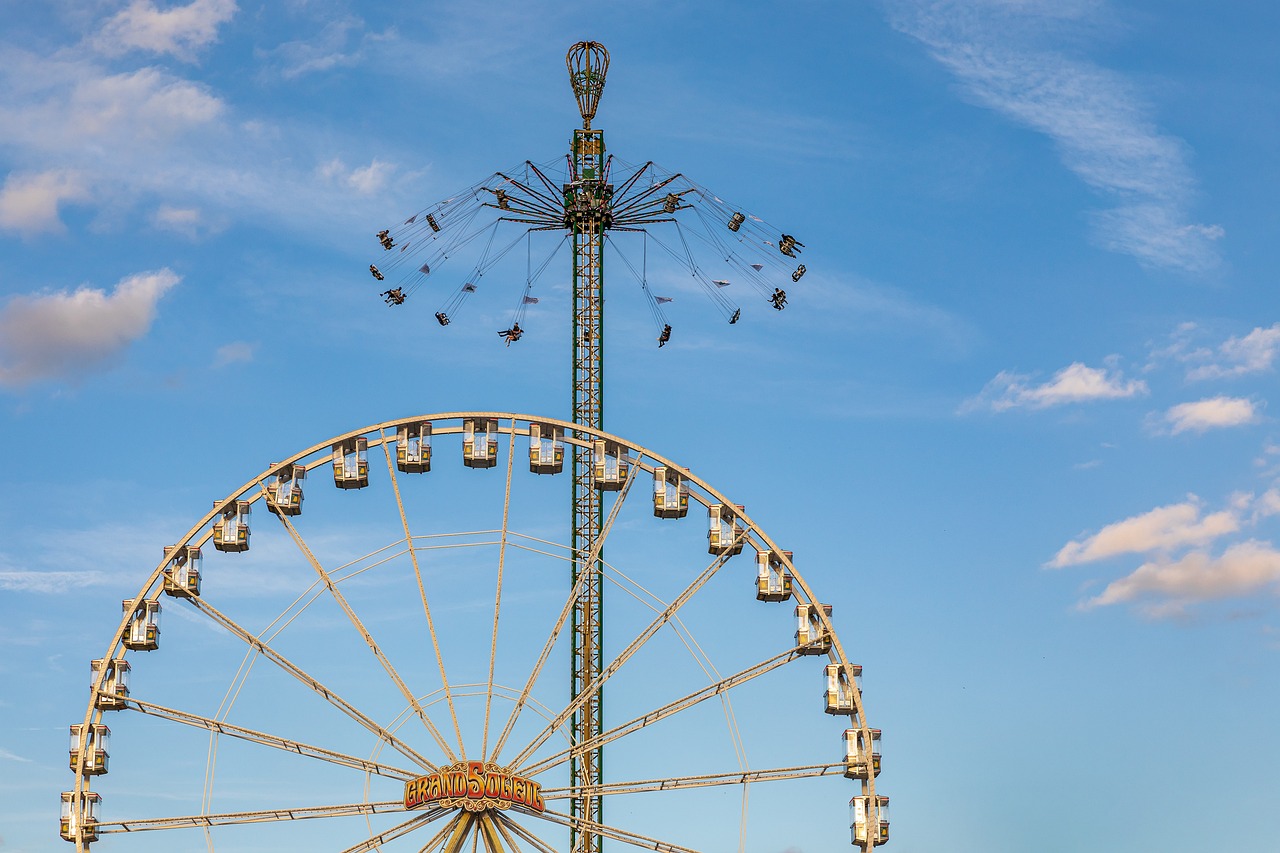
x=586 y=203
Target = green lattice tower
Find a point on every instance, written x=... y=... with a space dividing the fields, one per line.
x=587 y=203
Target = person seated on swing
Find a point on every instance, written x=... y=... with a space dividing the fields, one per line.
x=512 y=334
x=394 y=296
x=665 y=336
x=442 y=318
x=779 y=298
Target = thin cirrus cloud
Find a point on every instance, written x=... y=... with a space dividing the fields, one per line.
x=179 y=31
x=1211 y=413
x=67 y=335
x=1100 y=124
x=1075 y=383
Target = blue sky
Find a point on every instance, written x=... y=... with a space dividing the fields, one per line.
x=1014 y=422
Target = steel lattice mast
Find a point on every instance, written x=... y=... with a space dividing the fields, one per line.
x=587 y=199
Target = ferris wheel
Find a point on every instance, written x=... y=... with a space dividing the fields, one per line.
x=386 y=669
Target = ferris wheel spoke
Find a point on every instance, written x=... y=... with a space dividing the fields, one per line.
x=632 y=838
x=500 y=822
x=265 y=739
x=422 y=592
x=671 y=783
x=525 y=833
x=301 y=675
x=717 y=688
x=626 y=654
x=397 y=831
x=497 y=595
x=265 y=816
x=368 y=637
x=596 y=547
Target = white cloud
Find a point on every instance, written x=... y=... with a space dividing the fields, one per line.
x=29 y=203
x=190 y=222
x=365 y=180
x=9 y=756
x=328 y=50
x=1075 y=383
x=236 y=352
x=179 y=31
x=1254 y=353
x=1164 y=528
x=1210 y=413
x=51 y=582
x=1100 y=124
x=1244 y=568
x=65 y=335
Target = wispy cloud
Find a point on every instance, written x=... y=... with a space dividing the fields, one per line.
x=1210 y=413
x=67 y=335
x=365 y=180
x=1075 y=383
x=1100 y=123
x=51 y=582
x=236 y=352
x=1164 y=528
x=179 y=31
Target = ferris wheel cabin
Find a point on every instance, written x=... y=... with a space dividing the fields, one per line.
x=843 y=681
x=115 y=686
x=231 y=531
x=869 y=820
x=480 y=442
x=811 y=633
x=611 y=465
x=861 y=760
x=546 y=449
x=284 y=490
x=413 y=448
x=773 y=581
x=724 y=530
x=142 y=633
x=670 y=493
x=182 y=574
x=79 y=810
x=95 y=748
x=351 y=463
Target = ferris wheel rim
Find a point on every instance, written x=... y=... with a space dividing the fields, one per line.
x=580 y=435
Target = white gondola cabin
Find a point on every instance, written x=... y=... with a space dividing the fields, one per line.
x=413 y=448
x=79 y=810
x=182 y=573
x=843 y=682
x=142 y=633
x=351 y=463
x=96 y=749
x=611 y=463
x=861 y=760
x=724 y=529
x=546 y=449
x=773 y=581
x=869 y=820
x=115 y=686
x=231 y=530
x=480 y=442
x=284 y=490
x=670 y=493
x=811 y=635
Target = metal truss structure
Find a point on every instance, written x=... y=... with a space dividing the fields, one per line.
x=338 y=785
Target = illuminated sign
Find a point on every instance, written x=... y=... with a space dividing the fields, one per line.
x=475 y=786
